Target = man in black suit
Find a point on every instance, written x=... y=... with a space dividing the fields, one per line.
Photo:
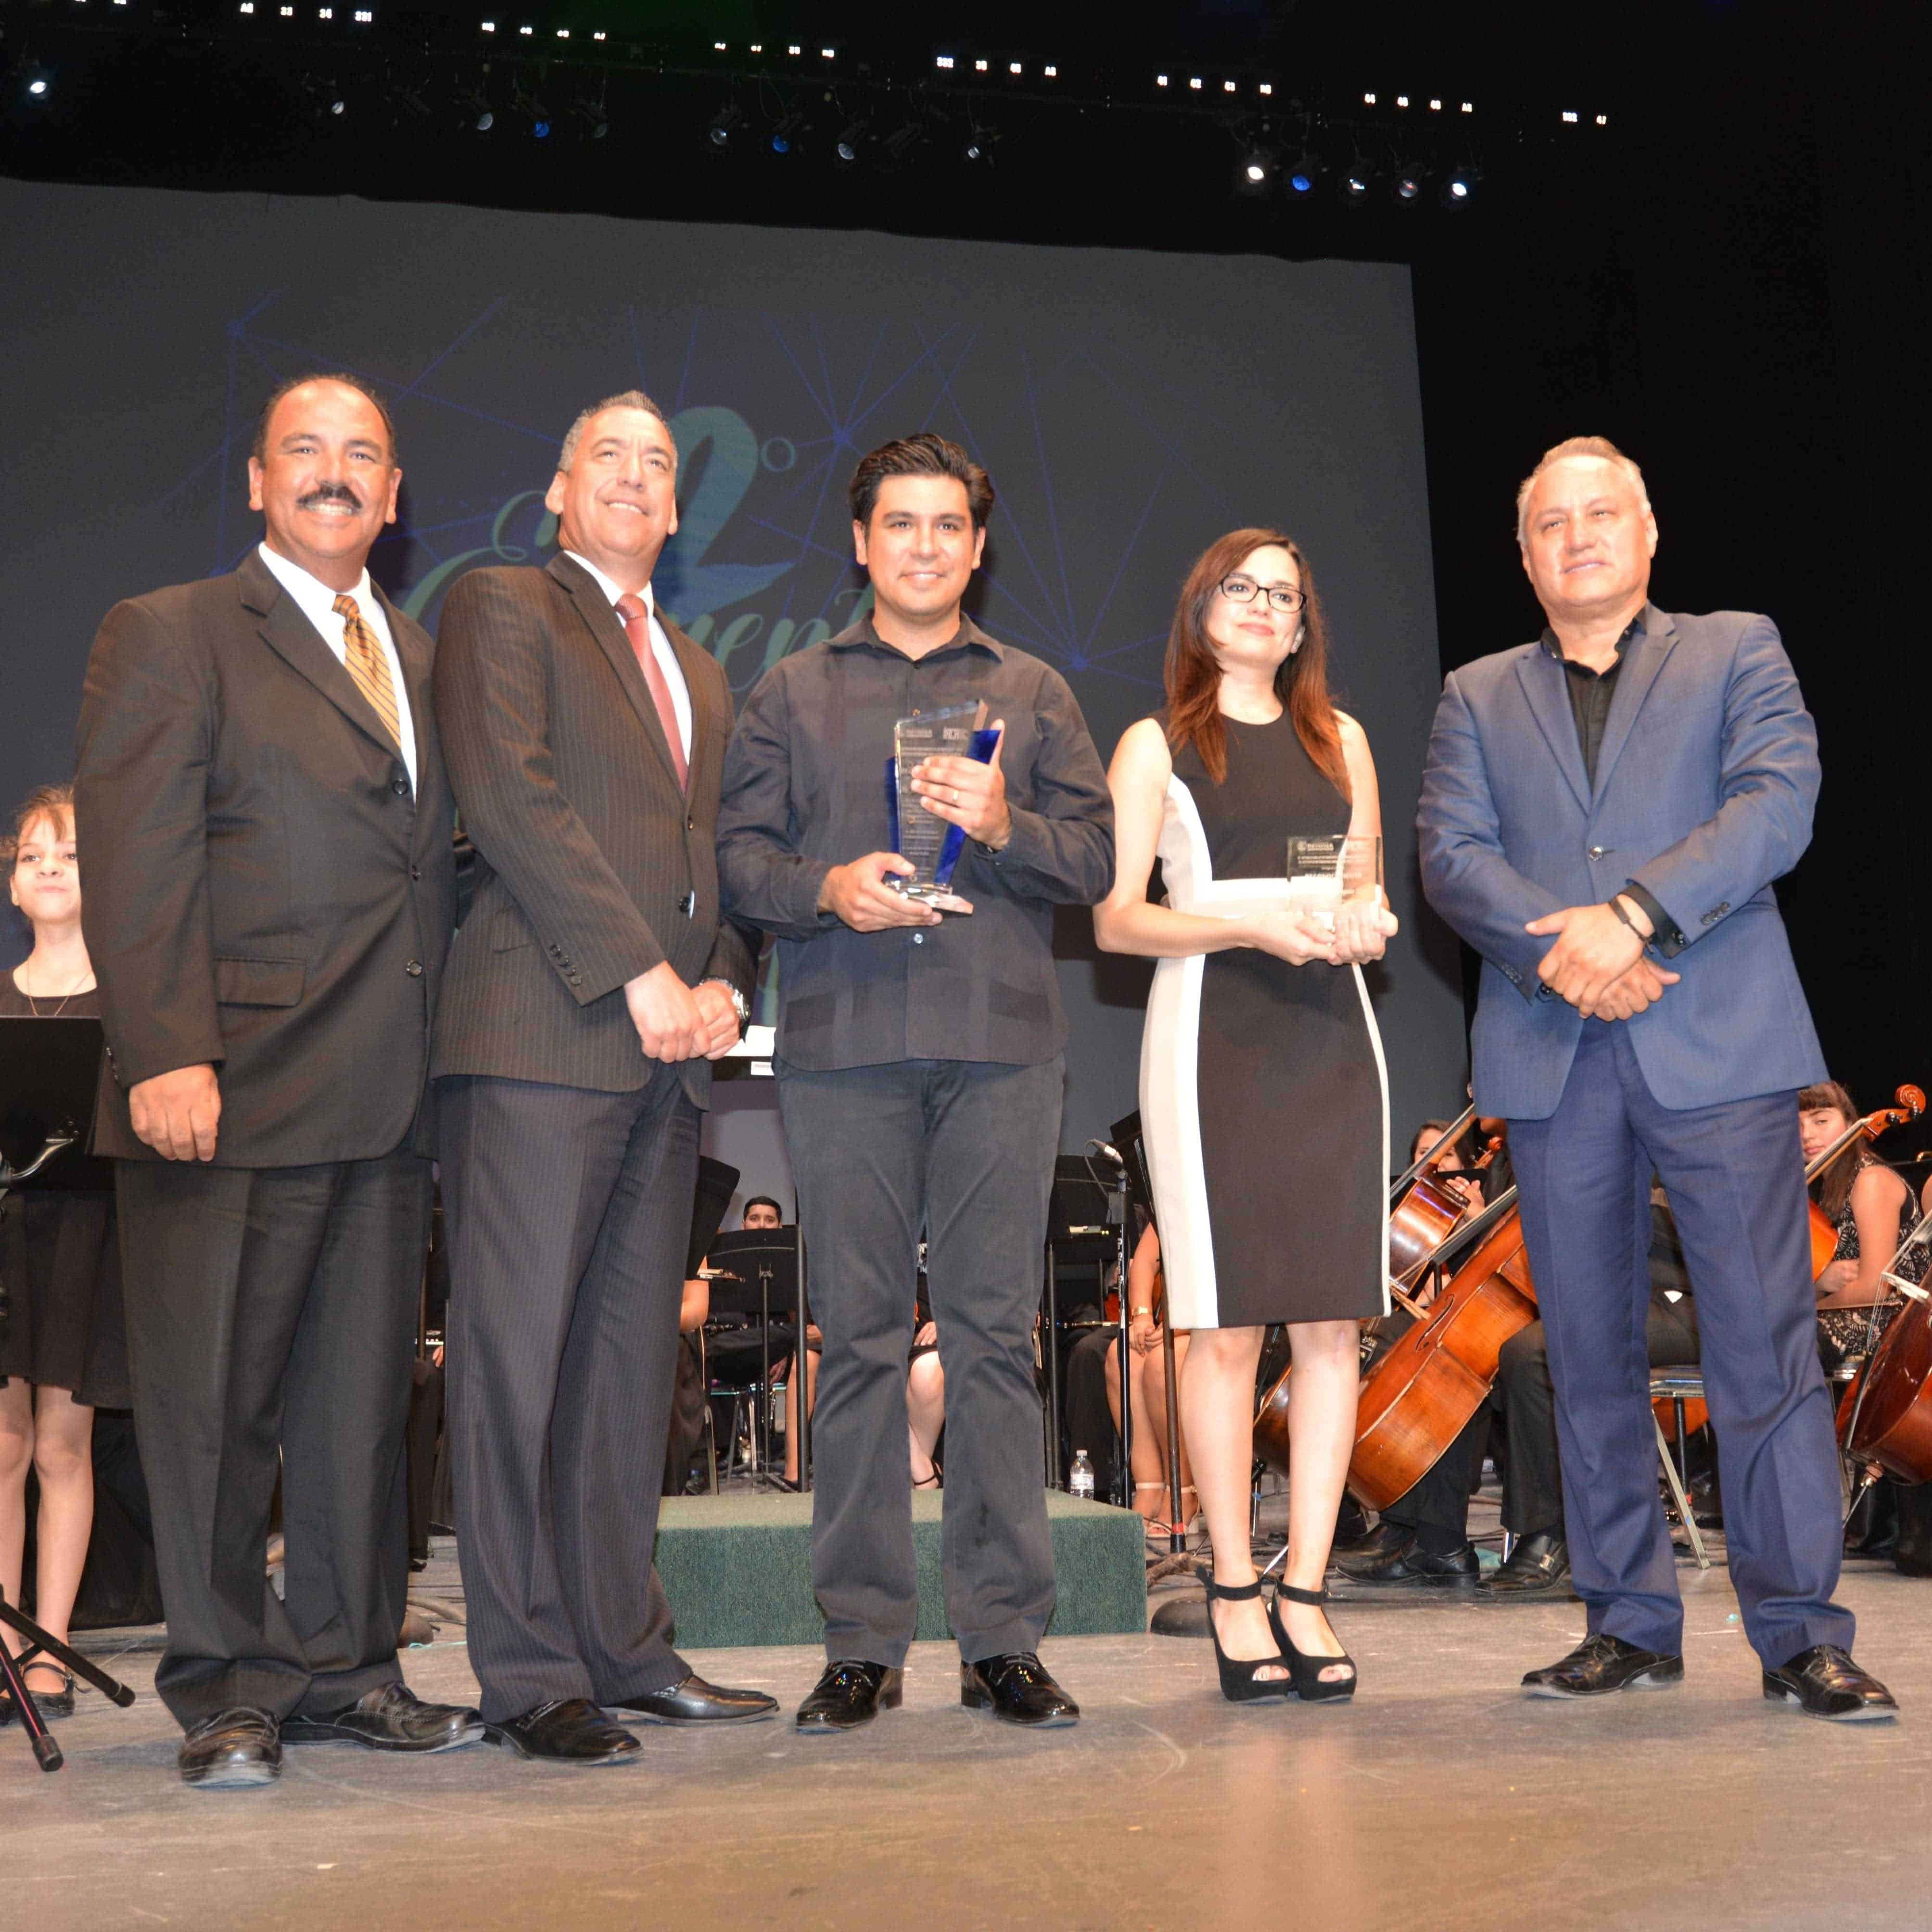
x=270 y=892
x=591 y=986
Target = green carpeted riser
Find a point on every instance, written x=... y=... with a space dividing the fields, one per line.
x=738 y=1569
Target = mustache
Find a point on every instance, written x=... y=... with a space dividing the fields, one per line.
x=329 y=493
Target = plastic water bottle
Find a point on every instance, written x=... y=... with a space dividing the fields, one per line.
x=1080 y=1477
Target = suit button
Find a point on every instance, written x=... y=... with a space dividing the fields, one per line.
x=1596 y=851
x=690 y=825
x=416 y=871
x=400 y=787
x=919 y=939
x=414 y=969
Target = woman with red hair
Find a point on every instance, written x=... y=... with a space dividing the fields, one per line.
x=1259 y=1039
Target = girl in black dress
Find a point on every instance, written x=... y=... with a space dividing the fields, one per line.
x=62 y=1351
x=1264 y=1099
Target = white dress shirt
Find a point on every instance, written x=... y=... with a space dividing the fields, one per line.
x=660 y=650
x=316 y=602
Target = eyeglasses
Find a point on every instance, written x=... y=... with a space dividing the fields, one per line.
x=1239 y=590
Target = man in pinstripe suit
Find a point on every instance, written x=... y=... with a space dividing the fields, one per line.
x=588 y=991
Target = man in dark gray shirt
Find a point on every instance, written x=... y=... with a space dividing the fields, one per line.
x=919 y=1060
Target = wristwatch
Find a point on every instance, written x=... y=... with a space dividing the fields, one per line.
x=738 y=1001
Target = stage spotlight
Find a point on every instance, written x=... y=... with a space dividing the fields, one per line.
x=485 y=121
x=1357 y=181
x=724 y=124
x=1303 y=176
x=1257 y=170
x=785 y=135
x=847 y=149
x=1407 y=184
x=540 y=130
x=1459 y=188
x=40 y=85
x=978 y=148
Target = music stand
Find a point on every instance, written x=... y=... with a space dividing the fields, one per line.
x=48 y=1071
x=756 y=1267
x=1077 y=1230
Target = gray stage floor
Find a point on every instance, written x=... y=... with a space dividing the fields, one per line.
x=1441 y=1799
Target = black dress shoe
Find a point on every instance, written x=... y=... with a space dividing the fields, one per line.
x=572 y=1729
x=851 y=1692
x=1602 y=1663
x=1403 y=1563
x=1538 y=1562
x=231 y=1750
x=1016 y=1689
x=1825 y=1681
x=391 y=1718
x=692 y=1701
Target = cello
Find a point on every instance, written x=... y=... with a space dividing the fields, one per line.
x=1885 y=1418
x=1419 y=1397
x=1428 y=1220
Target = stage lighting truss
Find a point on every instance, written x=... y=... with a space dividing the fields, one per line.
x=829 y=106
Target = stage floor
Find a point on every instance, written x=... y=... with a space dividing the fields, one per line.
x=1441 y=1799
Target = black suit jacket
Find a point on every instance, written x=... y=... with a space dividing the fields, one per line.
x=591 y=865
x=261 y=890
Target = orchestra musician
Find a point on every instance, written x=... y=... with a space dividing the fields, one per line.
x=1259 y=1014
x=1603 y=814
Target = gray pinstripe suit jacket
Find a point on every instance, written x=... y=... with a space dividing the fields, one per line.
x=591 y=865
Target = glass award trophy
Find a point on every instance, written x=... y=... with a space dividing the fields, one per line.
x=929 y=844
x=1325 y=874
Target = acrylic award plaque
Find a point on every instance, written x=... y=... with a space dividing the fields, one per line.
x=927 y=843
x=1325 y=874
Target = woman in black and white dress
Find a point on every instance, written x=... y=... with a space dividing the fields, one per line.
x=1264 y=1099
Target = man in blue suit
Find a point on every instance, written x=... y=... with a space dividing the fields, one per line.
x=1602 y=816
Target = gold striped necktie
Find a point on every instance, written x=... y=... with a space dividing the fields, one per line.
x=368 y=666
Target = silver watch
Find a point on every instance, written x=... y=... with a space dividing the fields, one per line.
x=738 y=1001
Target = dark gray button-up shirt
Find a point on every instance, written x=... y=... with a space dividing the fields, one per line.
x=805 y=791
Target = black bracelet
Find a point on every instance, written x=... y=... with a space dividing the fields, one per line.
x=1615 y=904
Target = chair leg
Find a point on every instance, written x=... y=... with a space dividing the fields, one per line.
x=1678 y=1496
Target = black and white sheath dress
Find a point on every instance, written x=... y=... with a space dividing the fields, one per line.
x=1264 y=1093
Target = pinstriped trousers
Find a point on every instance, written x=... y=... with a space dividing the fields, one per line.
x=568 y=1214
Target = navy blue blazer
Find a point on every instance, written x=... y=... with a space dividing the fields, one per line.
x=1706 y=779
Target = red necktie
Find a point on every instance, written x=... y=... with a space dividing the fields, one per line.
x=637 y=628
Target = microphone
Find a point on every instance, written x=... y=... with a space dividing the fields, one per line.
x=1108 y=1153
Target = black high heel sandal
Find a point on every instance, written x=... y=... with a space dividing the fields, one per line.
x=1305 y=1667
x=1241 y=1682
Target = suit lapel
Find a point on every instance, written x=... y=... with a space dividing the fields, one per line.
x=605 y=626
x=1543 y=678
x=297 y=642
x=1643 y=661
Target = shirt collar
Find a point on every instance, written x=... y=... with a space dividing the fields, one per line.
x=1632 y=630
x=609 y=587
x=969 y=633
x=314 y=596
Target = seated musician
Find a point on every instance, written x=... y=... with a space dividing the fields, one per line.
x=1146 y=1389
x=1874 y=1212
x=1424 y=1536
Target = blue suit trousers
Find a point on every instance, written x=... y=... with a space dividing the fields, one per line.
x=1732 y=1173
